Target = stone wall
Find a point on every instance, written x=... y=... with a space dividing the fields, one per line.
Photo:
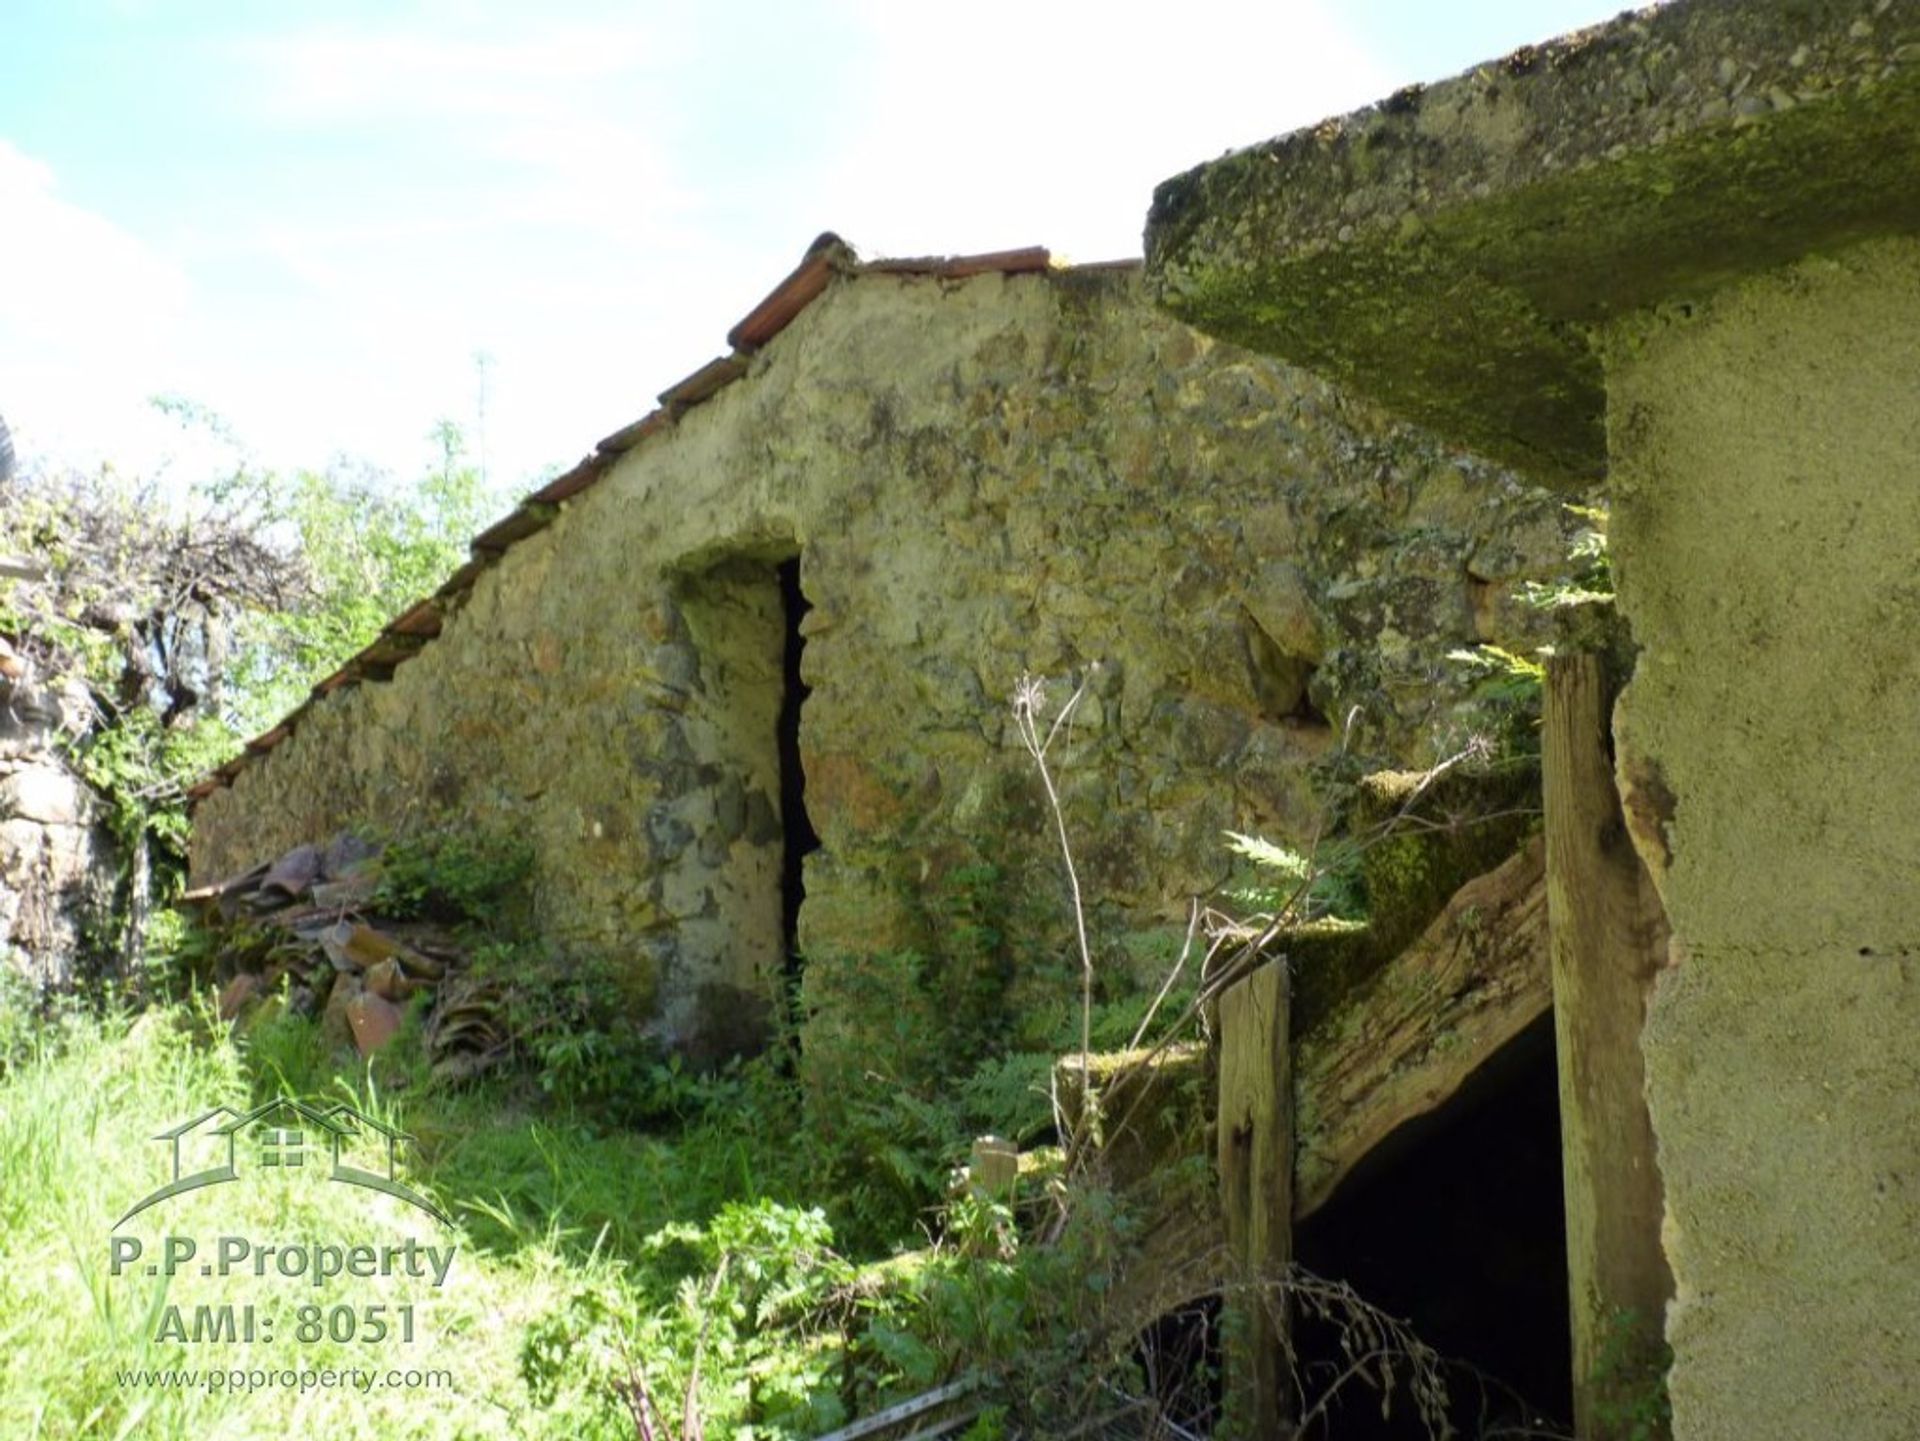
x=57 y=863
x=1767 y=530
x=979 y=479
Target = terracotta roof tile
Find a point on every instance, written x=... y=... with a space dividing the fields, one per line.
x=792 y=295
x=461 y=581
x=1026 y=261
x=267 y=740
x=565 y=487
x=390 y=650
x=628 y=436
x=715 y=375
x=521 y=523
x=422 y=620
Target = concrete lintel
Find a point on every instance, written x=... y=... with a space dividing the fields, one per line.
x=1449 y=250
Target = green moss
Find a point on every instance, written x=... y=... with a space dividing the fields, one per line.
x=1424 y=839
x=1155 y=1107
x=1326 y=959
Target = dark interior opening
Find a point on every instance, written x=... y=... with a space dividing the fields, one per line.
x=1179 y=1358
x=1457 y=1225
x=801 y=838
x=1305 y=712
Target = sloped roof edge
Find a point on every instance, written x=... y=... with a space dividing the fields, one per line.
x=826 y=257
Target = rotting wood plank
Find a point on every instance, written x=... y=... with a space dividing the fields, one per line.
x=1410 y=1035
x=1608 y=939
x=1254 y=1140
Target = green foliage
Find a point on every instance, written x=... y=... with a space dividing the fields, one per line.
x=1504 y=675
x=715 y=1315
x=459 y=877
x=194 y=619
x=578 y=1252
x=1030 y=1319
x=371 y=549
x=141 y=767
x=572 y=1017
x=1593 y=576
x=1630 y=1379
x=579 y=1031
x=1507 y=693
x=1297 y=886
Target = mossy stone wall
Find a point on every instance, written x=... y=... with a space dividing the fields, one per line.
x=980 y=479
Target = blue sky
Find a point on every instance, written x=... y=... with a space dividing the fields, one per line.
x=313 y=217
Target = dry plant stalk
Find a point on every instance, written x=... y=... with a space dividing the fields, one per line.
x=1029 y=706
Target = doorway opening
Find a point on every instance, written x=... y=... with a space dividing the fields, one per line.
x=730 y=835
x=1457 y=1225
x=799 y=839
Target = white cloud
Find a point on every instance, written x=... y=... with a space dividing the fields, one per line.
x=1014 y=122
x=594 y=203
x=379 y=74
x=90 y=318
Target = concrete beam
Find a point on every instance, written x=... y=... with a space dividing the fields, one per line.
x=1449 y=250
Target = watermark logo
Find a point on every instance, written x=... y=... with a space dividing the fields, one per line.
x=223 y=1144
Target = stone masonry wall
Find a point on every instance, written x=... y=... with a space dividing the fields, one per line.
x=980 y=478
x=57 y=863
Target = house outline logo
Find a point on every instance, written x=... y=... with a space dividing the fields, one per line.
x=285 y=1145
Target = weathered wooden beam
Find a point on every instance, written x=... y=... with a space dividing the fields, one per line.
x=1405 y=1040
x=1608 y=938
x=1397 y=1046
x=1254 y=1141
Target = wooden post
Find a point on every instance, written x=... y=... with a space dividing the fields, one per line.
x=994 y=1168
x=1255 y=1141
x=1607 y=936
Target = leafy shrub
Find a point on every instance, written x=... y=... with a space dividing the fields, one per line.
x=471 y=878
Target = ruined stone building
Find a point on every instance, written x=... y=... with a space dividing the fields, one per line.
x=792 y=603
x=742 y=676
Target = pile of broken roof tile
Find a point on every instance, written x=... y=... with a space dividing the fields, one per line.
x=305 y=934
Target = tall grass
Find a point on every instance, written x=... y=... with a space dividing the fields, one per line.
x=545 y=1213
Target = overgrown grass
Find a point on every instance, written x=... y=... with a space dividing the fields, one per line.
x=552 y=1220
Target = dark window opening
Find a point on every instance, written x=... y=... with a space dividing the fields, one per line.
x=1457 y=1225
x=800 y=836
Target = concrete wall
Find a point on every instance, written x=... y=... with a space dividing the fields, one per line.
x=982 y=478
x=1766 y=473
